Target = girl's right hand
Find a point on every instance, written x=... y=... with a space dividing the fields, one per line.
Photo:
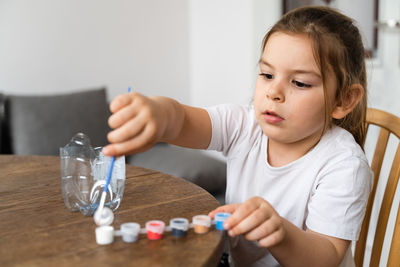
x=256 y=220
x=138 y=122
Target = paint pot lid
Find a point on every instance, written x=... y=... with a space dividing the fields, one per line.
x=155 y=226
x=130 y=227
x=179 y=224
x=105 y=218
x=203 y=220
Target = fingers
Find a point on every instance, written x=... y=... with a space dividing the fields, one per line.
x=125 y=107
x=137 y=125
x=129 y=129
x=122 y=116
x=121 y=101
x=141 y=142
x=273 y=239
x=266 y=228
x=247 y=216
x=247 y=223
x=122 y=149
x=256 y=220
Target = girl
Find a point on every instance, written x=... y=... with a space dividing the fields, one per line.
x=297 y=178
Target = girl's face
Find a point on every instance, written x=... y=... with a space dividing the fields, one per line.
x=289 y=96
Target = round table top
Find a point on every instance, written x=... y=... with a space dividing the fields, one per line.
x=37 y=228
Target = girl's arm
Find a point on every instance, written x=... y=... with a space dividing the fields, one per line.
x=256 y=220
x=138 y=122
x=308 y=248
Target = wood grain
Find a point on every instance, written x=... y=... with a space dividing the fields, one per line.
x=38 y=230
x=389 y=125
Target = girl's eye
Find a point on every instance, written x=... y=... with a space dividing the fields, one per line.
x=300 y=84
x=267 y=76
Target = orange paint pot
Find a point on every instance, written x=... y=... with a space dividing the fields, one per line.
x=155 y=229
x=201 y=224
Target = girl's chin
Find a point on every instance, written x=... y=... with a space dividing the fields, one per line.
x=273 y=134
x=277 y=134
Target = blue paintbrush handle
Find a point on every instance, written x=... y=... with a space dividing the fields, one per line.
x=111 y=166
x=109 y=174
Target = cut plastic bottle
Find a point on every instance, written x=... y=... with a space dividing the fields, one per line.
x=84 y=173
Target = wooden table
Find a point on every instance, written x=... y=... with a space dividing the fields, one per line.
x=36 y=229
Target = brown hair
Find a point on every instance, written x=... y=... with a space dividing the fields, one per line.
x=338 y=47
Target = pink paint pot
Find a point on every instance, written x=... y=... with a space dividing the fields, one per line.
x=155 y=229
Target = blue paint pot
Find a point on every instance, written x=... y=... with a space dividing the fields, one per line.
x=220 y=218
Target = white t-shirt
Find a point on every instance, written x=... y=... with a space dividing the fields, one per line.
x=326 y=190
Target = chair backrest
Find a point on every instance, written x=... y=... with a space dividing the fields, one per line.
x=389 y=124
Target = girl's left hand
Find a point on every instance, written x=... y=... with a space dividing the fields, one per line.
x=256 y=219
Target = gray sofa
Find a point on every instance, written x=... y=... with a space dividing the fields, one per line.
x=42 y=124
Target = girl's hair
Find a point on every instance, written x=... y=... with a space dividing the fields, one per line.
x=338 y=47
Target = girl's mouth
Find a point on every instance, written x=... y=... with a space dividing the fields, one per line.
x=272 y=117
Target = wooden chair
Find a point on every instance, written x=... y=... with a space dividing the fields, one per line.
x=389 y=124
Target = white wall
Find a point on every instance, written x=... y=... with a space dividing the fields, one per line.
x=225 y=41
x=199 y=52
x=51 y=46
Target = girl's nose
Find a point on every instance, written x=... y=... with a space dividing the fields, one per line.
x=275 y=93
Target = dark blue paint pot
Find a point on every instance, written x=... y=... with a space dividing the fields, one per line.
x=179 y=226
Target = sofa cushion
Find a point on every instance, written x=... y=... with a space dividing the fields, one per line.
x=41 y=124
x=193 y=165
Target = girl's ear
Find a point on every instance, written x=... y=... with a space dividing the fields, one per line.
x=349 y=102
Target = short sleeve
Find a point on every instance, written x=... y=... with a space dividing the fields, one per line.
x=338 y=201
x=228 y=125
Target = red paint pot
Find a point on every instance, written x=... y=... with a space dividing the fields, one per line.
x=155 y=229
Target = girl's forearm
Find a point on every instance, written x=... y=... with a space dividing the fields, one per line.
x=185 y=125
x=172 y=117
x=305 y=248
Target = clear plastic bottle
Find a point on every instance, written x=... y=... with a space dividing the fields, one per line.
x=83 y=176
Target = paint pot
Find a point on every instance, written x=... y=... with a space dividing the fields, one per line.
x=220 y=219
x=130 y=232
x=179 y=226
x=104 y=235
x=155 y=229
x=201 y=224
